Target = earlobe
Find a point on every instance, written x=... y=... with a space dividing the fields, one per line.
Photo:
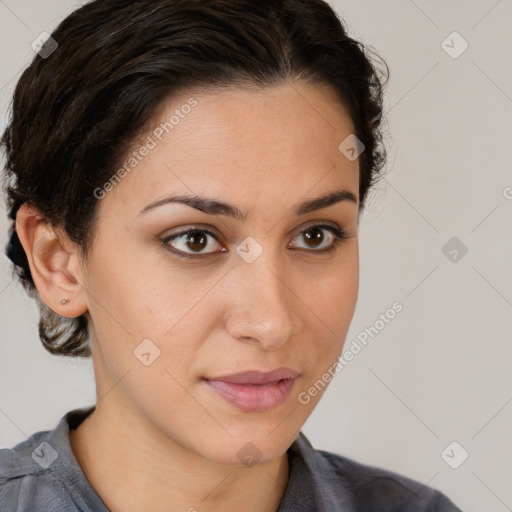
x=50 y=259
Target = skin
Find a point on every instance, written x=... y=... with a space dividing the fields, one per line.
x=160 y=438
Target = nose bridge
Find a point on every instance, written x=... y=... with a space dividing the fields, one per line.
x=261 y=305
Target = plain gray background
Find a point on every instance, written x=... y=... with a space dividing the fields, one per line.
x=439 y=372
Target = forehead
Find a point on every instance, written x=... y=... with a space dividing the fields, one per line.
x=241 y=143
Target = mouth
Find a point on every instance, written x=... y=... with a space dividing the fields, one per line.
x=255 y=391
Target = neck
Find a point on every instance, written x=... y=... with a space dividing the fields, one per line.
x=119 y=452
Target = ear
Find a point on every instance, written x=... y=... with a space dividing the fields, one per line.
x=54 y=263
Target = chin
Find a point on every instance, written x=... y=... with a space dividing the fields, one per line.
x=249 y=448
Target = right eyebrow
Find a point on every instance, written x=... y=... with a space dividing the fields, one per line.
x=216 y=207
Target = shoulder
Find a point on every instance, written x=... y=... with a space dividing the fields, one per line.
x=375 y=488
x=27 y=482
x=369 y=488
x=37 y=474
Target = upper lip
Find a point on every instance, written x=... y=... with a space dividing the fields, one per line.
x=257 y=377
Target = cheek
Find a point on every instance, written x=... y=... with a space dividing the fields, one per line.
x=332 y=303
x=142 y=319
x=132 y=290
x=135 y=302
x=332 y=293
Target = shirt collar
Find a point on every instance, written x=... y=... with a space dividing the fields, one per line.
x=313 y=483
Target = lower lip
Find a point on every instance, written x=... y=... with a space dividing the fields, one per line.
x=252 y=397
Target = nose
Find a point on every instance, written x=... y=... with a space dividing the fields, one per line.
x=262 y=307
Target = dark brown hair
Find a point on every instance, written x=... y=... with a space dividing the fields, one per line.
x=76 y=111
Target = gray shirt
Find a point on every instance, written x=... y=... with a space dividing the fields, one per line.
x=41 y=474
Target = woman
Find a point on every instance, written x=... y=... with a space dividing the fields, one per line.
x=185 y=180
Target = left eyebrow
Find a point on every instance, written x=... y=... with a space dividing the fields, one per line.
x=325 y=201
x=215 y=207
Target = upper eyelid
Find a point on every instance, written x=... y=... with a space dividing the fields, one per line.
x=212 y=231
x=320 y=224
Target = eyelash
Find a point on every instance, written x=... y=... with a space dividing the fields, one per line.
x=339 y=237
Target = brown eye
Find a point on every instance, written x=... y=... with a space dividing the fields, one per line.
x=313 y=236
x=320 y=238
x=199 y=243
x=192 y=242
x=196 y=241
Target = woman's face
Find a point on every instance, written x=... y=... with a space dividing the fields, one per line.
x=259 y=293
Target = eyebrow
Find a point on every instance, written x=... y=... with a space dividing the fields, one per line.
x=214 y=207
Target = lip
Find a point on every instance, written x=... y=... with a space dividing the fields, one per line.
x=257 y=377
x=255 y=391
